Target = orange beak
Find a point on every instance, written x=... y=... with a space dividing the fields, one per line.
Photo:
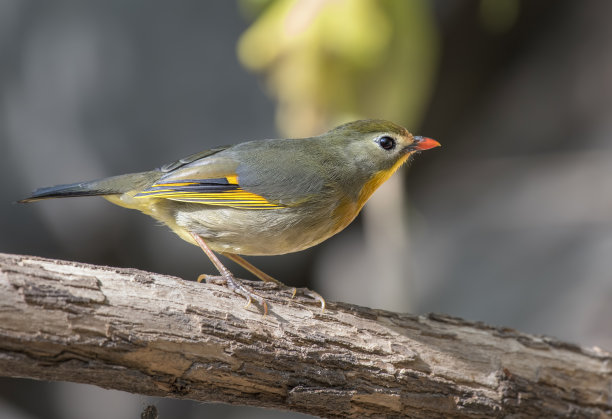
x=424 y=143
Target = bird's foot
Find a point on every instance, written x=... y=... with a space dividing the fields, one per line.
x=311 y=294
x=302 y=292
x=237 y=286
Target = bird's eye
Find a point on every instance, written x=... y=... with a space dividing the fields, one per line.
x=386 y=142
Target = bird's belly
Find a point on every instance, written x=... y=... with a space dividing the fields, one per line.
x=257 y=232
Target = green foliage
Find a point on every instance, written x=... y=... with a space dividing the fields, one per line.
x=327 y=62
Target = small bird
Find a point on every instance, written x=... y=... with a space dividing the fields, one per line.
x=267 y=197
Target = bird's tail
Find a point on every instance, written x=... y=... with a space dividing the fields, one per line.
x=101 y=187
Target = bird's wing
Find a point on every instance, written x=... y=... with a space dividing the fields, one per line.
x=205 y=178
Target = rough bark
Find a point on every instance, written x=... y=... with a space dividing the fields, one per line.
x=152 y=334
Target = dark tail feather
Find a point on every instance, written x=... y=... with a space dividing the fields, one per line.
x=62 y=191
x=107 y=186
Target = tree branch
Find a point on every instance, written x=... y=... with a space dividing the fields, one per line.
x=152 y=334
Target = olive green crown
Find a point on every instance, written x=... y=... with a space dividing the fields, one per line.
x=366 y=126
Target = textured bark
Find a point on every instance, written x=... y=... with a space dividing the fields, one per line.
x=152 y=334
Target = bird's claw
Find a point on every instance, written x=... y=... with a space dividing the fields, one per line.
x=315 y=296
x=305 y=292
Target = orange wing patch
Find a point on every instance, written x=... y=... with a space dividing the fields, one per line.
x=223 y=191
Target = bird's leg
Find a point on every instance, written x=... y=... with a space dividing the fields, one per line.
x=267 y=278
x=252 y=269
x=226 y=276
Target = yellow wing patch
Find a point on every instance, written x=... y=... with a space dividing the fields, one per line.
x=223 y=191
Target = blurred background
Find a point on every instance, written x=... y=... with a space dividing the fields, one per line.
x=510 y=222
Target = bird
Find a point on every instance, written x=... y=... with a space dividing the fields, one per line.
x=262 y=197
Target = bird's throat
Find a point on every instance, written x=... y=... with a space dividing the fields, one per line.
x=378 y=179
